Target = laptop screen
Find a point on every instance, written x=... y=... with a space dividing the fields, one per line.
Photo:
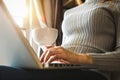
x=15 y=50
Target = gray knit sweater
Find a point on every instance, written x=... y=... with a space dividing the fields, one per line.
x=94 y=28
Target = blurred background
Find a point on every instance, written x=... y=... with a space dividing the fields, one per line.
x=29 y=14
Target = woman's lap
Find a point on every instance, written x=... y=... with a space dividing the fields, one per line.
x=9 y=73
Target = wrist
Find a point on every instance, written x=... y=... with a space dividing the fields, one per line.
x=89 y=59
x=85 y=59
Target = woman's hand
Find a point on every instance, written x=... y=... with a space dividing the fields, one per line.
x=59 y=54
x=44 y=48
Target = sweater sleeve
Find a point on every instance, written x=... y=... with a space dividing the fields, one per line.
x=110 y=60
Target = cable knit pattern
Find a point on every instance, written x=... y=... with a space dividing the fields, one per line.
x=90 y=27
x=94 y=28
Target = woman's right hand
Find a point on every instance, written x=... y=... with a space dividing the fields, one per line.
x=45 y=49
x=59 y=53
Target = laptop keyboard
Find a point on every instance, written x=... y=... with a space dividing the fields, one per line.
x=55 y=65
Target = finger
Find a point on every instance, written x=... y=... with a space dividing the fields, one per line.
x=55 y=57
x=64 y=61
x=57 y=51
x=43 y=55
x=50 y=52
x=61 y=61
x=51 y=59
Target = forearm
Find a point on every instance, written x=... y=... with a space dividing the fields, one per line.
x=84 y=59
x=109 y=60
x=102 y=61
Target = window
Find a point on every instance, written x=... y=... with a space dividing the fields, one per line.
x=18 y=10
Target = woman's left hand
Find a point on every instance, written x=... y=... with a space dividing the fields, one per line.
x=59 y=54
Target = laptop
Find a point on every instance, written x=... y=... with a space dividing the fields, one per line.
x=15 y=50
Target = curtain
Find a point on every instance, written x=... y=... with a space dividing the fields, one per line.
x=58 y=20
x=48 y=12
x=44 y=13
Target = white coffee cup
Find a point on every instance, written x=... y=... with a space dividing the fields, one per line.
x=44 y=36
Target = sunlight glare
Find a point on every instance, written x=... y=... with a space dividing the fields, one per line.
x=18 y=10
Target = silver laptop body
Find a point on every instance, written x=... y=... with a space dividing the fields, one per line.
x=15 y=50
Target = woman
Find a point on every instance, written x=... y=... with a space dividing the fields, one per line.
x=91 y=35
x=94 y=30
